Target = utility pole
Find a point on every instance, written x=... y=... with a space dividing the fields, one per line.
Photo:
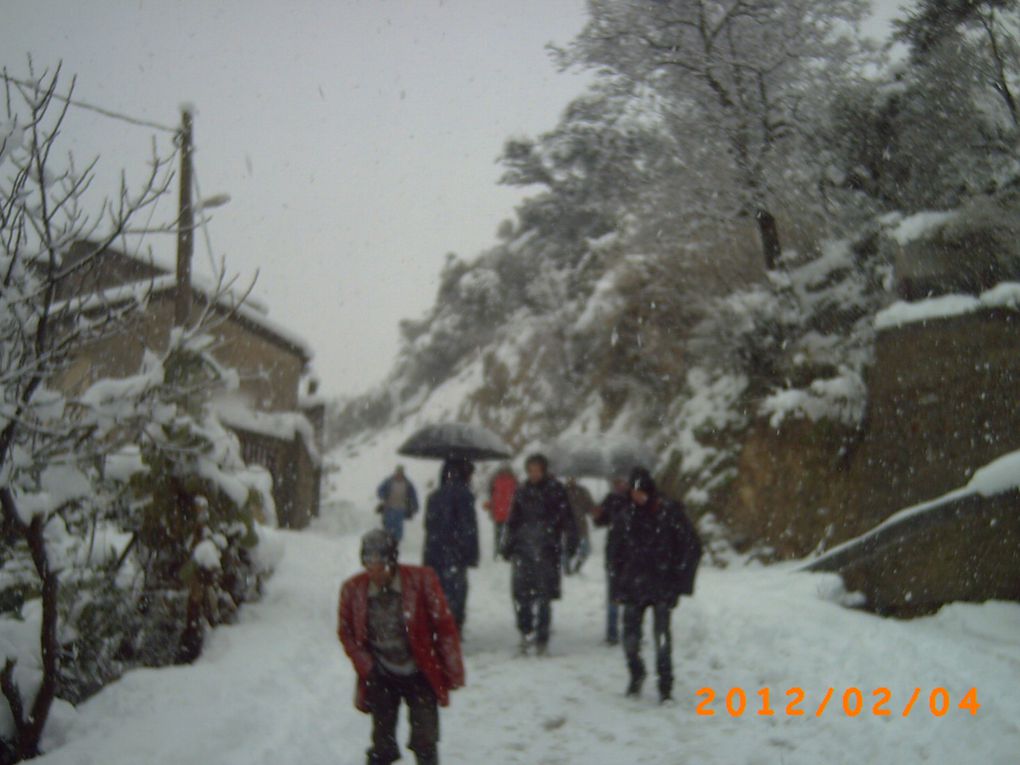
x=185 y=226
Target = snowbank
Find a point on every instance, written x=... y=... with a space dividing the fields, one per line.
x=276 y=687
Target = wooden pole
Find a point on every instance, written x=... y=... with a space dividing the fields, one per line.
x=185 y=227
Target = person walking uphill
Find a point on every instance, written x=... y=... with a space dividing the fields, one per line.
x=501 y=493
x=582 y=505
x=654 y=558
x=451 y=537
x=399 y=501
x=607 y=514
x=540 y=526
x=396 y=628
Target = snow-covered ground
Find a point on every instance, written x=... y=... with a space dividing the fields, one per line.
x=277 y=689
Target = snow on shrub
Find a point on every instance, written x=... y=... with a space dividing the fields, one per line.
x=841 y=399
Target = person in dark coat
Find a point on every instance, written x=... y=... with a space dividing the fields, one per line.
x=606 y=515
x=451 y=536
x=539 y=528
x=654 y=559
x=394 y=624
x=583 y=505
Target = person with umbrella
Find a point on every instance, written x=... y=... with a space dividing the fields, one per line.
x=540 y=526
x=451 y=535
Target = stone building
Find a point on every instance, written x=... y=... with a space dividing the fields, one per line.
x=278 y=427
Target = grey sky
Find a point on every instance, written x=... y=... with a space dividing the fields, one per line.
x=357 y=139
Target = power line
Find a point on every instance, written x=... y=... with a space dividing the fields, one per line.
x=93 y=108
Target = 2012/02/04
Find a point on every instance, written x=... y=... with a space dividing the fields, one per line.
x=853 y=702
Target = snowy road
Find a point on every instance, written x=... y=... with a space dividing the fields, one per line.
x=276 y=689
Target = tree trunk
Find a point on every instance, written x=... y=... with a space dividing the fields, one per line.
x=28 y=730
x=769 y=231
x=29 y=737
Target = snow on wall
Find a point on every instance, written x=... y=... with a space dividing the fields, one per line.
x=919 y=225
x=997 y=477
x=1005 y=295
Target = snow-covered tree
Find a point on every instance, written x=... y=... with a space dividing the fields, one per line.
x=182 y=491
x=739 y=79
x=939 y=127
x=94 y=536
x=985 y=31
x=45 y=452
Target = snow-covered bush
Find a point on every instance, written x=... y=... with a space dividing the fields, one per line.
x=702 y=431
x=98 y=491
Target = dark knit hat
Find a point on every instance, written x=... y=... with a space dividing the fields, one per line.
x=641 y=480
x=379 y=542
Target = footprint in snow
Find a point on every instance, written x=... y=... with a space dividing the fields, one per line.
x=554 y=723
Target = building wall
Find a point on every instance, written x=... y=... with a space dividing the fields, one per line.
x=296 y=476
x=269 y=374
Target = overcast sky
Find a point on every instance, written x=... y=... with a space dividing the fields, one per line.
x=357 y=138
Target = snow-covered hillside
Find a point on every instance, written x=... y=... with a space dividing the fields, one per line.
x=276 y=688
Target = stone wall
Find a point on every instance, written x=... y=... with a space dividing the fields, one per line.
x=966 y=549
x=944 y=399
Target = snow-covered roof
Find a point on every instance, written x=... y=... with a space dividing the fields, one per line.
x=1005 y=295
x=253 y=314
x=281 y=425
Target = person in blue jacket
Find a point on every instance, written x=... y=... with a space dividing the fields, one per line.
x=451 y=536
x=398 y=502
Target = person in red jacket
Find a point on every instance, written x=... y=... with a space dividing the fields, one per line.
x=398 y=631
x=501 y=496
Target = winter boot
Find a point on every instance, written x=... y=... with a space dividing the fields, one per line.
x=524 y=647
x=541 y=649
x=636 y=681
x=665 y=691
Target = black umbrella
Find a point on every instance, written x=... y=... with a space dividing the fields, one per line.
x=454 y=440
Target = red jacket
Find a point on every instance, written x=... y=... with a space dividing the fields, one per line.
x=431 y=631
x=502 y=490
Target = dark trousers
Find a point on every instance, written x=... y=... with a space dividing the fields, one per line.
x=497 y=539
x=633 y=616
x=385 y=692
x=612 y=617
x=534 y=614
x=454 y=582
